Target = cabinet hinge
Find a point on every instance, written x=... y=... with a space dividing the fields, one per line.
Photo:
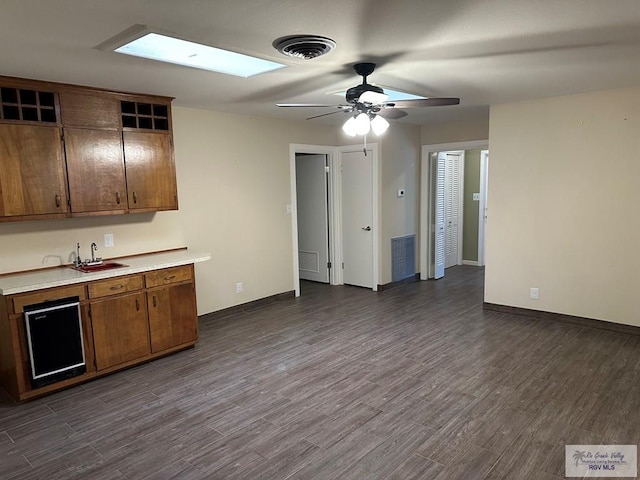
x=328 y=264
x=326 y=169
x=343 y=265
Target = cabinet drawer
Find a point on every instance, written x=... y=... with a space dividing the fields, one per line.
x=22 y=300
x=115 y=286
x=169 y=275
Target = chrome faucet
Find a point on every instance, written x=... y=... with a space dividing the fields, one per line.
x=94 y=247
x=78 y=259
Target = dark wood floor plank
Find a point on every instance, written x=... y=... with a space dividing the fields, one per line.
x=416 y=468
x=329 y=433
x=394 y=451
x=342 y=383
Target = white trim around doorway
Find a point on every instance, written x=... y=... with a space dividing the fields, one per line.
x=334 y=208
x=426 y=229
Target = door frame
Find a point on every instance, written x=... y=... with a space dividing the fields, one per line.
x=330 y=152
x=426 y=198
x=334 y=157
x=482 y=210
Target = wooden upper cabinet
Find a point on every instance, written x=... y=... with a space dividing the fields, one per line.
x=151 y=175
x=96 y=170
x=88 y=109
x=117 y=155
x=32 y=172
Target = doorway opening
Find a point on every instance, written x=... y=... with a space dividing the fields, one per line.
x=312 y=210
x=452 y=206
x=334 y=215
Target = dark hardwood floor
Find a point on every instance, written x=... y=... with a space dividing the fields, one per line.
x=415 y=383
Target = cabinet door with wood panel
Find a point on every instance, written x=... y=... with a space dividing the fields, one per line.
x=120 y=329
x=172 y=316
x=89 y=109
x=32 y=173
x=96 y=170
x=150 y=171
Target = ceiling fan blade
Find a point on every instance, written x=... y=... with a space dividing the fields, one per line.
x=426 y=102
x=374 y=98
x=392 y=113
x=305 y=105
x=325 y=114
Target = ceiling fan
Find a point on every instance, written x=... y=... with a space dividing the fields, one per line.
x=370 y=106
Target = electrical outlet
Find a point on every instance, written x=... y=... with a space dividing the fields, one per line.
x=239 y=287
x=534 y=293
x=108 y=240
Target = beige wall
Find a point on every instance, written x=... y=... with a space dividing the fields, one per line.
x=234 y=185
x=31 y=245
x=460 y=127
x=400 y=161
x=562 y=205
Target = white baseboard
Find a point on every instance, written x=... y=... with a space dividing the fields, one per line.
x=473 y=263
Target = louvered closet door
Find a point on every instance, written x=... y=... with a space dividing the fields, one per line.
x=451 y=207
x=439 y=184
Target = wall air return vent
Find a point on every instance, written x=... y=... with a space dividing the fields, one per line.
x=304 y=47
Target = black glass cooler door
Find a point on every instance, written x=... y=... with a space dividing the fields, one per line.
x=54 y=334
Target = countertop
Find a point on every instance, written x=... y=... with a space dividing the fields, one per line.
x=59 y=277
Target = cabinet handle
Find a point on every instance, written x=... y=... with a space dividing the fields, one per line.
x=137 y=304
x=118 y=198
x=155 y=302
x=135 y=197
x=57 y=201
x=117 y=287
x=169 y=278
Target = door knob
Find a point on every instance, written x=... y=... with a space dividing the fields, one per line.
x=367 y=228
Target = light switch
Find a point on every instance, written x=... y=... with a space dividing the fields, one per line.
x=108 y=240
x=476 y=197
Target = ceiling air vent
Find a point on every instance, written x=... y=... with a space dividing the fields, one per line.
x=304 y=47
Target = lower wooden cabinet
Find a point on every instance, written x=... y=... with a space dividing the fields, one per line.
x=171 y=312
x=120 y=329
x=126 y=320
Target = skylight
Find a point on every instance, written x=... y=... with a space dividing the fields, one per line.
x=181 y=52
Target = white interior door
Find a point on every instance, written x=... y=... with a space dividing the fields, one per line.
x=452 y=191
x=313 y=224
x=439 y=217
x=357 y=218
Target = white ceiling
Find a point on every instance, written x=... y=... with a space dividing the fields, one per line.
x=483 y=51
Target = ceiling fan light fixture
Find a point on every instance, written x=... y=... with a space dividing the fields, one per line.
x=350 y=127
x=379 y=125
x=363 y=124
